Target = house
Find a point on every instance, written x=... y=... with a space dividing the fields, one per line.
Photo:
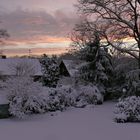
x=70 y=68
x=69 y=71
x=10 y=67
x=20 y=66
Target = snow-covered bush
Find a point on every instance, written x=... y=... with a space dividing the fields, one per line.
x=89 y=94
x=60 y=98
x=24 y=96
x=128 y=109
x=133 y=82
x=69 y=95
x=126 y=76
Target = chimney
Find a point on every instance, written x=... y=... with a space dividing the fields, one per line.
x=3 y=56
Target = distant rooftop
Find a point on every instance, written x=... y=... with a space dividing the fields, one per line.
x=8 y=66
x=73 y=66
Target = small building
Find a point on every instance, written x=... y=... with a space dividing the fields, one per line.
x=11 y=67
x=70 y=68
x=69 y=71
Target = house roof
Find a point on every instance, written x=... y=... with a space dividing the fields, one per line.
x=73 y=66
x=9 y=66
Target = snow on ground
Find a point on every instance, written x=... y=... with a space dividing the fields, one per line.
x=74 y=124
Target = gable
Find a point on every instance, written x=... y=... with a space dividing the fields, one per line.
x=63 y=70
x=72 y=66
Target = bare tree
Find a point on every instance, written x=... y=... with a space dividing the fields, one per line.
x=3 y=36
x=115 y=20
x=83 y=34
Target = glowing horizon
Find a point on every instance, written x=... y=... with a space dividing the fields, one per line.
x=39 y=26
x=37 y=45
x=37 y=52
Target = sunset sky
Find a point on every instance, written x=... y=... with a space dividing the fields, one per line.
x=40 y=25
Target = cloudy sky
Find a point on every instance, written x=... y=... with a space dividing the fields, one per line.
x=40 y=25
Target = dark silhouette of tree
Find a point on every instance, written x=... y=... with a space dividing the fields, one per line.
x=115 y=20
x=3 y=35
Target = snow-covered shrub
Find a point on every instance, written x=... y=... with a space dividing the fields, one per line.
x=126 y=76
x=60 y=98
x=69 y=95
x=89 y=94
x=128 y=109
x=23 y=96
x=54 y=101
x=133 y=82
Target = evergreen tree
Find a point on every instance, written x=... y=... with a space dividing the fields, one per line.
x=99 y=68
x=50 y=69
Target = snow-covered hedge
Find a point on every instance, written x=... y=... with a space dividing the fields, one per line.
x=60 y=98
x=24 y=96
x=69 y=95
x=128 y=109
x=90 y=94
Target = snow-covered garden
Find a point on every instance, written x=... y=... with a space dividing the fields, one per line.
x=26 y=95
x=95 y=95
x=92 y=122
x=95 y=104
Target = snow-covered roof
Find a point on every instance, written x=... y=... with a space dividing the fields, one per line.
x=73 y=66
x=30 y=66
